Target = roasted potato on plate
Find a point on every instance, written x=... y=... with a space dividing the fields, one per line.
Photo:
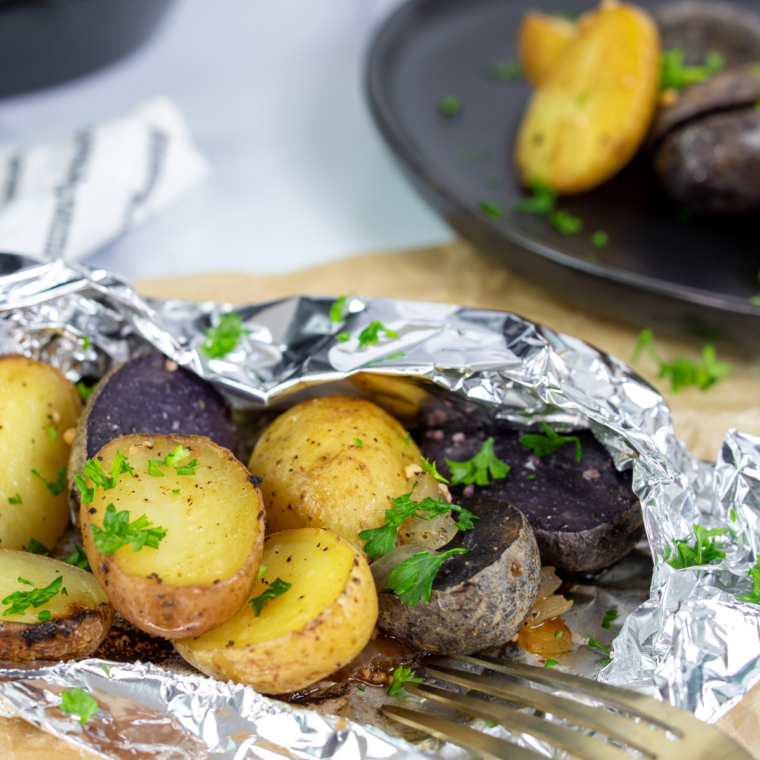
x=589 y=117
x=185 y=555
x=541 y=41
x=37 y=405
x=334 y=462
x=319 y=623
x=51 y=610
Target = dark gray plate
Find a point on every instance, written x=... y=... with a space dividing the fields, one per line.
x=690 y=278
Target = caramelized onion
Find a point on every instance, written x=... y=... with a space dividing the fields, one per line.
x=543 y=639
x=428 y=534
x=549 y=582
x=550 y=606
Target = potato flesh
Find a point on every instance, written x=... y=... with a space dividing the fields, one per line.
x=211 y=523
x=589 y=117
x=317 y=571
x=33 y=396
x=317 y=476
x=83 y=590
x=542 y=40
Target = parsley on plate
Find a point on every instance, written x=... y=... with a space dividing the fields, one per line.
x=401 y=675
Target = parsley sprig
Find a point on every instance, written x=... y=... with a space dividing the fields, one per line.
x=78 y=702
x=20 y=601
x=484 y=467
x=380 y=541
x=401 y=675
x=276 y=588
x=683 y=372
x=754 y=596
x=225 y=336
x=541 y=445
x=675 y=75
x=371 y=334
x=705 y=549
x=55 y=487
x=93 y=471
x=118 y=531
x=412 y=579
x=430 y=468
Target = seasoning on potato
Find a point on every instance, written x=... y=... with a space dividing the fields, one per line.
x=37 y=404
x=316 y=475
x=173 y=528
x=50 y=610
x=321 y=617
x=589 y=116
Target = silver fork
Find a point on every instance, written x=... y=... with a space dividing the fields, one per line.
x=657 y=730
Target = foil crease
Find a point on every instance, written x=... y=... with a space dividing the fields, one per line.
x=692 y=643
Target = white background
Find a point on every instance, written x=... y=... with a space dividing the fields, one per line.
x=272 y=91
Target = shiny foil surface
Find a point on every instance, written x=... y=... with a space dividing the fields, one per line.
x=681 y=635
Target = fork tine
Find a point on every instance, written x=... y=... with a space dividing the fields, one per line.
x=614 y=726
x=574 y=742
x=489 y=747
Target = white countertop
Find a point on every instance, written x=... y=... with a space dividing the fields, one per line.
x=273 y=95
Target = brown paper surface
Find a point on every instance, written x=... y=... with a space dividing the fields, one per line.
x=456 y=273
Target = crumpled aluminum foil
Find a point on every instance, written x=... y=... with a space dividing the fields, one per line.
x=692 y=643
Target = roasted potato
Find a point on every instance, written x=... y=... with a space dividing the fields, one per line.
x=204 y=567
x=334 y=462
x=68 y=625
x=479 y=599
x=149 y=394
x=318 y=625
x=37 y=405
x=541 y=41
x=591 y=114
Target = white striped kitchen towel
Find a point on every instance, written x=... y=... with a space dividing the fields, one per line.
x=66 y=199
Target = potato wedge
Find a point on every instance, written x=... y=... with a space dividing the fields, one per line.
x=334 y=462
x=541 y=41
x=37 y=405
x=318 y=625
x=79 y=619
x=204 y=567
x=591 y=114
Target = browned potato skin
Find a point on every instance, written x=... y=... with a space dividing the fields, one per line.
x=300 y=658
x=72 y=638
x=182 y=610
x=315 y=476
x=541 y=41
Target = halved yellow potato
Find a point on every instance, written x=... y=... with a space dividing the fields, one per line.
x=37 y=405
x=590 y=115
x=335 y=462
x=71 y=624
x=541 y=41
x=318 y=625
x=203 y=568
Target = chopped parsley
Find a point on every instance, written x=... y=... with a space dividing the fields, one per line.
x=85 y=391
x=35 y=547
x=19 y=601
x=342 y=337
x=371 y=334
x=380 y=541
x=478 y=469
x=177 y=454
x=78 y=558
x=541 y=445
x=361 y=688
x=557 y=634
x=565 y=223
x=675 y=75
x=705 y=549
x=401 y=675
x=15 y=499
x=225 y=336
x=593 y=644
x=78 y=702
x=154 y=468
x=85 y=342
x=93 y=471
x=44 y=616
x=543 y=202
x=551 y=663
x=186 y=469
x=262 y=572
x=51 y=432
x=450 y=105
x=338 y=309
x=412 y=579
x=683 y=372
x=600 y=239
x=55 y=487
x=609 y=617
x=504 y=71
x=494 y=210
x=175 y=491
x=359 y=443
x=408 y=438
x=277 y=588
x=754 y=596
x=531 y=476
x=430 y=468
x=117 y=531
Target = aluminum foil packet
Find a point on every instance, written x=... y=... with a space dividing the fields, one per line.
x=687 y=638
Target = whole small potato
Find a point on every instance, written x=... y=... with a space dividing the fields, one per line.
x=335 y=462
